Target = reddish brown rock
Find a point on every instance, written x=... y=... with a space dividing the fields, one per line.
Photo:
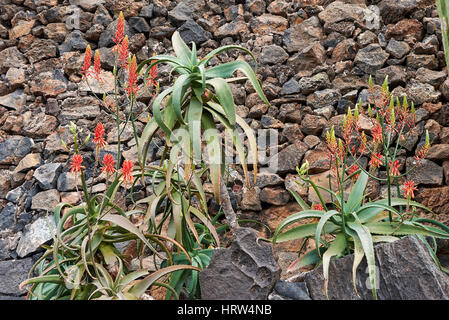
x=268 y=23
x=275 y=196
x=435 y=199
x=407 y=28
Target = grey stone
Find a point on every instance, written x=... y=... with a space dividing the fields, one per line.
x=12 y=273
x=273 y=54
x=308 y=85
x=73 y=42
x=191 y=31
x=39 y=232
x=405 y=270
x=287 y=159
x=15 y=194
x=15 y=100
x=13 y=149
x=66 y=182
x=292 y=290
x=47 y=175
x=397 y=49
x=290 y=87
x=428 y=172
x=46 y=200
x=245 y=271
x=371 y=58
x=139 y=24
x=7 y=216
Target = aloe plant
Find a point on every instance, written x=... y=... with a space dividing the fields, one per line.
x=354 y=226
x=443 y=12
x=198 y=97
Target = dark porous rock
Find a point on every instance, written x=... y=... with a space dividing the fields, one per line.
x=308 y=85
x=275 y=196
x=191 y=31
x=139 y=24
x=49 y=84
x=371 y=58
x=186 y=10
x=12 y=273
x=394 y=10
x=416 y=61
x=405 y=271
x=397 y=76
x=15 y=100
x=422 y=92
x=11 y=58
x=74 y=41
x=310 y=57
x=428 y=173
x=13 y=149
x=287 y=159
x=7 y=216
x=273 y=54
x=290 y=87
x=245 y=271
x=285 y=290
x=435 y=78
x=312 y=124
x=397 y=49
x=435 y=199
x=41 y=49
x=302 y=35
x=47 y=175
x=323 y=98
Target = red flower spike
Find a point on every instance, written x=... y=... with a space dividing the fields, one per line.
x=318 y=207
x=124 y=53
x=376 y=161
x=352 y=170
x=76 y=166
x=87 y=61
x=126 y=170
x=394 y=168
x=97 y=65
x=99 y=133
x=132 y=77
x=377 y=134
x=120 y=31
x=409 y=187
x=108 y=164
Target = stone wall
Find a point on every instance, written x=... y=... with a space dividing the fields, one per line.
x=315 y=57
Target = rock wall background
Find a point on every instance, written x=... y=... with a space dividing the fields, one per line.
x=315 y=57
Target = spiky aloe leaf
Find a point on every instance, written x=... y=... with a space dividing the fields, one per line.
x=295 y=218
x=336 y=248
x=443 y=12
x=367 y=244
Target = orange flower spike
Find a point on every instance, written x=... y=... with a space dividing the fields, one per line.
x=87 y=61
x=76 y=166
x=132 y=77
x=124 y=52
x=99 y=133
x=409 y=187
x=120 y=31
x=376 y=161
x=97 y=65
x=126 y=170
x=108 y=164
x=394 y=168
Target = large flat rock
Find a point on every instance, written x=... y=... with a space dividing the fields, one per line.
x=405 y=271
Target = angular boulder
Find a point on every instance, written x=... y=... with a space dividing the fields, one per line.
x=245 y=271
x=405 y=271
